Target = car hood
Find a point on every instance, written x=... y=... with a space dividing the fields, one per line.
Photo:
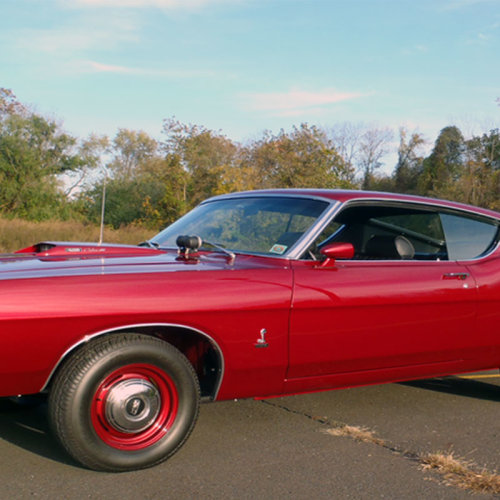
x=52 y=259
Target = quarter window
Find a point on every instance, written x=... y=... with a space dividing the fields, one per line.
x=467 y=238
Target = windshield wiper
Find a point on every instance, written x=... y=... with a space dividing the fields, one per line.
x=150 y=244
x=221 y=248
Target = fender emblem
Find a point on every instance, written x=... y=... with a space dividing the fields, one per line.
x=261 y=342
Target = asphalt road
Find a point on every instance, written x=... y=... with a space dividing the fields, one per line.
x=281 y=448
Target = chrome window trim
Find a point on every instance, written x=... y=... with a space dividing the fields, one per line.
x=435 y=205
x=432 y=204
x=274 y=193
x=100 y=333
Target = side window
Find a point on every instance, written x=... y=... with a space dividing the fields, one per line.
x=386 y=232
x=407 y=232
x=467 y=238
x=422 y=230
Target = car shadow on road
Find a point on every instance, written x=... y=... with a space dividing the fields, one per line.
x=28 y=428
x=459 y=386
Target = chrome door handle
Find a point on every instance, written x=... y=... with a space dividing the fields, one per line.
x=455 y=276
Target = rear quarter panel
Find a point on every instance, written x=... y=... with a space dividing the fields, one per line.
x=487 y=274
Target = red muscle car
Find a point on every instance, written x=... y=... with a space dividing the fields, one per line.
x=251 y=294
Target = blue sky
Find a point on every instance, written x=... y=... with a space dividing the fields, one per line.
x=243 y=66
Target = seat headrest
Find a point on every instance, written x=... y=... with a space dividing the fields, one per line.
x=404 y=247
x=389 y=247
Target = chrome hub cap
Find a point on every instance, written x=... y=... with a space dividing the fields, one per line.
x=132 y=405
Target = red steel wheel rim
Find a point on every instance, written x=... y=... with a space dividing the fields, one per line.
x=134 y=407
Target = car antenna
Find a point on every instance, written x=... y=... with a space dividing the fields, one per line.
x=103 y=206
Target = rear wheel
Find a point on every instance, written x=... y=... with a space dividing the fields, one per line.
x=124 y=402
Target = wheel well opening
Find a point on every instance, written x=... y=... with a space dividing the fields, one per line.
x=198 y=349
x=204 y=356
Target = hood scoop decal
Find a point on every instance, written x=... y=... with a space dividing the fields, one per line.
x=85 y=250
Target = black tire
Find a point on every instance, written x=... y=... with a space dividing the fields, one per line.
x=124 y=402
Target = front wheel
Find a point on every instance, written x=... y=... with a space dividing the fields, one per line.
x=124 y=402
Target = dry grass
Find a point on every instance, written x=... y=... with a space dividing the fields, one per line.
x=358 y=433
x=18 y=233
x=462 y=473
x=455 y=471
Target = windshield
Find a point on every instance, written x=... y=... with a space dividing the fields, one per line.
x=264 y=225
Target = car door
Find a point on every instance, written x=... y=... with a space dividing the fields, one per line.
x=382 y=312
x=370 y=315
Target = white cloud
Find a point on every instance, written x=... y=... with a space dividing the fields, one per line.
x=96 y=67
x=88 y=66
x=83 y=35
x=296 y=102
x=415 y=49
x=136 y=4
x=459 y=4
x=481 y=39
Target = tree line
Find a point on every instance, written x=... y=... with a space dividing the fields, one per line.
x=46 y=173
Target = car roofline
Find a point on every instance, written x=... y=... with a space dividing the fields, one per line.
x=349 y=195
